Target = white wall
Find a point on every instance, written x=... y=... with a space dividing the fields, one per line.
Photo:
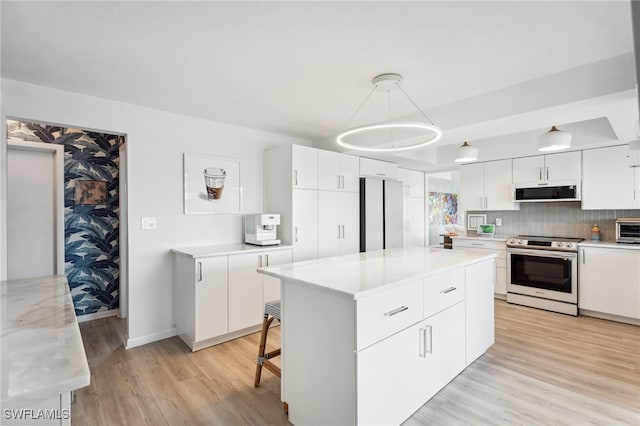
x=156 y=141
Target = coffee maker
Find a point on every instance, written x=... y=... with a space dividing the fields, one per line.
x=261 y=229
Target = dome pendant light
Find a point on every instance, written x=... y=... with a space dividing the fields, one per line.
x=422 y=133
x=554 y=140
x=466 y=153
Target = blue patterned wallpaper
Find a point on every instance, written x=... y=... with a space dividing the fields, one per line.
x=92 y=262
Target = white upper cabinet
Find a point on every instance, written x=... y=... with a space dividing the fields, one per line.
x=487 y=186
x=338 y=172
x=304 y=162
x=609 y=182
x=377 y=168
x=563 y=166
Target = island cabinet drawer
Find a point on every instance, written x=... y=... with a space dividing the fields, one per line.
x=384 y=313
x=443 y=290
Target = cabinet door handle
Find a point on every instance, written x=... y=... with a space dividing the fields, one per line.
x=266 y=258
x=539 y=173
x=342 y=184
x=199 y=271
x=342 y=231
x=260 y=261
x=448 y=290
x=584 y=257
x=547 y=170
x=338 y=181
x=422 y=336
x=428 y=340
x=295 y=234
x=481 y=202
x=486 y=202
x=477 y=244
x=395 y=311
x=295 y=178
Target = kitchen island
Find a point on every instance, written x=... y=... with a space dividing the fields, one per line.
x=43 y=358
x=368 y=338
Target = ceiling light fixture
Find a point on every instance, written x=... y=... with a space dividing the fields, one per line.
x=466 y=153
x=554 y=140
x=402 y=135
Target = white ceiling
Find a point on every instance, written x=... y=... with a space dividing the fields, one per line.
x=481 y=70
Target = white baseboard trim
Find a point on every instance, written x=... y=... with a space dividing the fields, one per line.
x=149 y=338
x=98 y=315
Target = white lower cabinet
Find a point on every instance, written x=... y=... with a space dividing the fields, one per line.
x=479 y=315
x=442 y=348
x=249 y=290
x=221 y=297
x=609 y=281
x=55 y=410
x=398 y=374
x=490 y=246
x=211 y=295
x=390 y=379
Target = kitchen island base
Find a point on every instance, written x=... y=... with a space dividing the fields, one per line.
x=376 y=356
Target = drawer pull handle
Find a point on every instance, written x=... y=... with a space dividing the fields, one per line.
x=448 y=290
x=428 y=340
x=395 y=311
x=477 y=244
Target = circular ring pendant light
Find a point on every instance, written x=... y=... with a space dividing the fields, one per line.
x=388 y=82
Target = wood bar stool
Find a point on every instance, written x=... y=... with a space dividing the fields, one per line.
x=271 y=312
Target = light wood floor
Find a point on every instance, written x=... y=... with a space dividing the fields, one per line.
x=544 y=368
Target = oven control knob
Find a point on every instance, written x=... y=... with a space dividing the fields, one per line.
x=569 y=245
x=560 y=245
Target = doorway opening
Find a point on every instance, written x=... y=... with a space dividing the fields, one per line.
x=91 y=195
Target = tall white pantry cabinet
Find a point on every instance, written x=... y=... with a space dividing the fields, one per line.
x=291 y=190
x=414 y=206
x=316 y=193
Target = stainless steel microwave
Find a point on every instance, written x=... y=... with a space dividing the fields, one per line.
x=628 y=230
x=547 y=191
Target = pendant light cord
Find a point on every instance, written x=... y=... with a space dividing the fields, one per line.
x=389 y=108
x=361 y=105
x=414 y=104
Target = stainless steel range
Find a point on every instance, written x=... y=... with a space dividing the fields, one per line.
x=542 y=272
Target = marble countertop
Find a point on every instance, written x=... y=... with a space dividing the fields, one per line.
x=42 y=351
x=609 y=244
x=360 y=274
x=224 y=249
x=476 y=237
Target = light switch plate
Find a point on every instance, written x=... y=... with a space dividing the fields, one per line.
x=498 y=221
x=148 y=223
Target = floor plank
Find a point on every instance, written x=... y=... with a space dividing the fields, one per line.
x=545 y=368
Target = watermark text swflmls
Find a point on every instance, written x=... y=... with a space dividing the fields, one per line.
x=36 y=414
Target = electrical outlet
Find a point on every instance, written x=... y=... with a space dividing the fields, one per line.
x=498 y=221
x=148 y=223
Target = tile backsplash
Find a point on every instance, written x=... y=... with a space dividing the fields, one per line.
x=556 y=219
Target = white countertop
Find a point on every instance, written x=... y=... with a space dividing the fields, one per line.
x=42 y=351
x=609 y=244
x=224 y=249
x=476 y=237
x=359 y=274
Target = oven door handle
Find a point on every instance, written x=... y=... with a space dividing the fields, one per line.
x=545 y=253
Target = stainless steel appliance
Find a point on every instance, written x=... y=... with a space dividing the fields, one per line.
x=261 y=229
x=381 y=214
x=628 y=230
x=542 y=272
x=547 y=191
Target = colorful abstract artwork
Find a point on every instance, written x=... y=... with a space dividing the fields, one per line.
x=91 y=211
x=443 y=208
